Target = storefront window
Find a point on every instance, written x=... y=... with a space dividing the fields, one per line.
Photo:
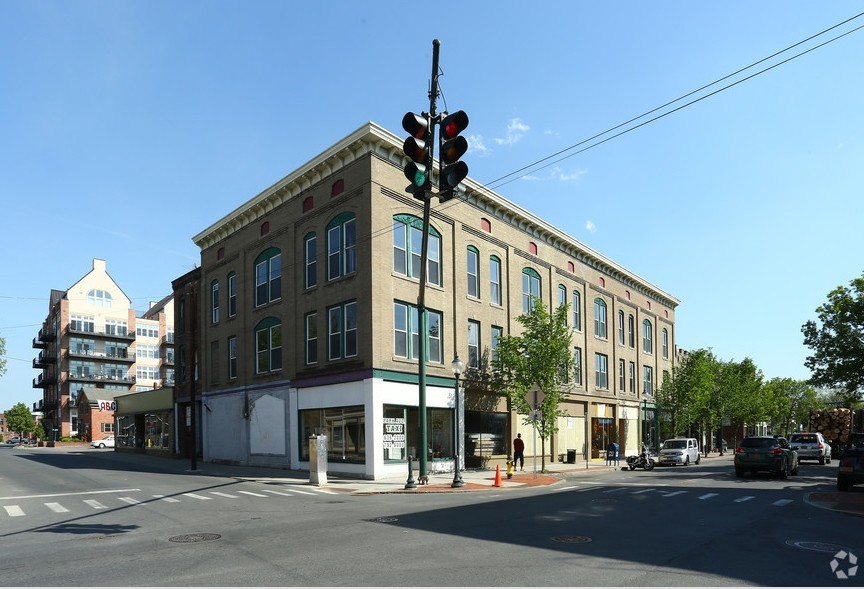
x=485 y=436
x=125 y=437
x=345 y=428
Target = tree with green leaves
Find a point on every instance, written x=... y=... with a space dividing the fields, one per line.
x=837 y=340
x=788 y=402
x=684 y=400
x=19 y=419
x=2 y=356
x=742 y=386
x=540 y=356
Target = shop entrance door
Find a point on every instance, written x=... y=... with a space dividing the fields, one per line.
x=602 y=432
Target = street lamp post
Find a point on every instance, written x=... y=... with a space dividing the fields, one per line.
x=456 y=367
x=645 y=419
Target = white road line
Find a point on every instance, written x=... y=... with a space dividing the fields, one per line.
x=13 y=510
x=95 y=504
x=278 y=493
x=642 y=491
x=194 y=496
x=744 y=498
x=129 y=500
x=253 y=494
x=221 y=494
x=565 y=489
x=56 y=508
x=327 y=491
x=70 y=494
x=782 y=502
x=167 y=499
x=302 y=492
x=708 y=495
x=616 y=490
x=673 y=493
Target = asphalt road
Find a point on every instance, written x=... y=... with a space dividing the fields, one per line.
x=87 y=519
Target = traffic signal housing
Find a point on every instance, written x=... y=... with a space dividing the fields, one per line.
x=418 y=148
x=453 y=147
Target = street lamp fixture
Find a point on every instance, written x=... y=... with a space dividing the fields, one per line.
x=456 y=366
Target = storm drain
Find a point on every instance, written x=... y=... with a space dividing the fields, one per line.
x=572 y=539
x=191 y=538
x=384 y=520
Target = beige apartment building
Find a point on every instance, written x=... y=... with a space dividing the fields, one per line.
x=92 y=339
x=309 y=322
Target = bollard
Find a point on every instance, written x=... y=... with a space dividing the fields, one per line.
x=410 y=484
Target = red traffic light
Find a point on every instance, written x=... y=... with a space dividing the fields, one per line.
x=416 y=125
x=452 y=125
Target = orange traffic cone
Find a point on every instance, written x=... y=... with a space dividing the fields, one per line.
x=497 y=476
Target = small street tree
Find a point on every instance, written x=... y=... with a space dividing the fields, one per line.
x=837 y=340
x=685 y=398
x=19 y=419
x=2 y=356
x=539 y=356
x=788 y=402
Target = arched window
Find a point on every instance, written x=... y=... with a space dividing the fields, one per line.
x=620 y=327
x=310 y=254
x=407 y=249
x=268 y=345
x=647 y=337
x=268 y=276
x=341 y=244
x=99 y=298
x=232 y=294
x=577 y=310
x=473 y=263
x=530 y=288
x=600 y=318
x=494 y=280
x=214 y=301
x=664 y=342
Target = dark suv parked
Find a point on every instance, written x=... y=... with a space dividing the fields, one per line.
x=766 y=453
x=851 y=469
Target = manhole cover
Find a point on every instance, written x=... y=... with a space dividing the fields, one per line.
x=572 y=539
x=189 y=538
x=385 y=520
x=815 y=546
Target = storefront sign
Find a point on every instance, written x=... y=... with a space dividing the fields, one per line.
x=107 y=405
x=394 y=432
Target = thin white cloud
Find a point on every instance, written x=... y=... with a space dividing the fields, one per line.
x=515 y=131
x=477 y=145
x=590 y=227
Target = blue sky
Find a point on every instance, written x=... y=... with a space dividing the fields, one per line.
x=746 y=205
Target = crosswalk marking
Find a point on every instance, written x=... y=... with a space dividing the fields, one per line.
x=194 y=496
x=782 y=502
x=673 y=493
x=278 y=493
x=744 y=498
x=642 y=491
x=617 y=490
x=129 y=500
x=95 y=504
x=327 y=492
x=56 y=508
x=565 y=489
x=302 y=492
x=13 y=510
x=251 y=493
x=707 y=495
x=167 y=499
x=221 y=494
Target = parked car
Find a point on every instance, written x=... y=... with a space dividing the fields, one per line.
x=103 y=443
x=679 y=451
x=766 y=453
x=811 y=446
x=19 y=440
x=851 y=469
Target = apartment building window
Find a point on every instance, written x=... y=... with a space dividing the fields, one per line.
x=494 y=338
x=577 y=310
x=631 y=331
x=268 y=276
x=232 y=357
x=632 y=377
x=600 y=318
x=620 y=327
x=341 y=246
x=342 y=331
x=647 y=337
x=99 y=298
x=473 y=344
x=214 y=301
x=407 y=249
x=232 y=295
x=530 y=289
x=664 y=343
x=406 y=333
x=601 y=371
x=622 y=377
x=82 y=346
x=577 y=366
x=311 y=338
x=648 y=380
x=562 y=297
x=116 y=327
x=145 y=351
x=268 y=346
x=473 y=263
x=310 y=248
x=83 y=323
x=494 y=280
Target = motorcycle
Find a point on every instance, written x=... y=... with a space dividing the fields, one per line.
x=643 y=460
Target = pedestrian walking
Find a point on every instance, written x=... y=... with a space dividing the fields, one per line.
x=519 y=452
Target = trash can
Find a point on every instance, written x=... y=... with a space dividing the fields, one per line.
x=571 y=456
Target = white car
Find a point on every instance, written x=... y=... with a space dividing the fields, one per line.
x=811 y=446
x=103 y=443
x=679 y=451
